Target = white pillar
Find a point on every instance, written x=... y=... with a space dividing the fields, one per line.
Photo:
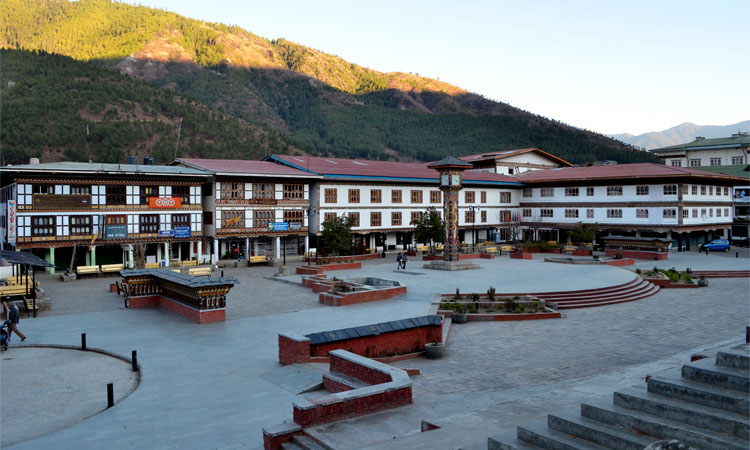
x=255 y=247
x=215 y=255
x=130 y=258
x=277 y=249
x=179 y=250
x=166 y=254
x=200 y=251
x=247 y=248
x=307 y=244
x=158 y=253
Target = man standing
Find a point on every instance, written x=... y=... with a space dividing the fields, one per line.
x=399 y=258
x=13 y=317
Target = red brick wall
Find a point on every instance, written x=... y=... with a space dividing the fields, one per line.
x=213 y=315
x=386 y=344
x=358 y=371
x=354 y=407
x=291 y=351
x=621 y=262
x=639 y=255
x=352 y=298
x=579 y=252
x=314 y=270
x=334 y=386
x=523 y=255
x=146 y=301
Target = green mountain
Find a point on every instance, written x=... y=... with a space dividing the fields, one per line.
x=276 y=96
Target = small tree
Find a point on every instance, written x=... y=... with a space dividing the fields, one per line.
x=581 y=233
x=429 y=227
x=511 y=226
x=337 y=235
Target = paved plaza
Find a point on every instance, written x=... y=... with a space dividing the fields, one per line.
x=216 y=385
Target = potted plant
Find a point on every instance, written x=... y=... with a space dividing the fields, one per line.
x=459 y=313
x=702 y=281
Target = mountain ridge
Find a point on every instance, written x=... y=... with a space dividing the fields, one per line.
x=681 y=134
x=320 y=103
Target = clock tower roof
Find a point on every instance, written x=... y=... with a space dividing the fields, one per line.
x=450 y=163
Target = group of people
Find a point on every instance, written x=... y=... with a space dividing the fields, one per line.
x=401 y=259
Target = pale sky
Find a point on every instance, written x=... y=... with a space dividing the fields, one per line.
x=608 y=66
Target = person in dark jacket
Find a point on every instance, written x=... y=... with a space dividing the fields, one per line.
x=13 y=317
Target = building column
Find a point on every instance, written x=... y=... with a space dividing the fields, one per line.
x=215 y=255
x=255 y=247
x=179 y=250
x=199 y=256
x=247 y=248
x=93 y=255
x=307 y=244
x=166 y=254
x=130 y=258
x=277 y=248
x=52 y=260
x=158 y=253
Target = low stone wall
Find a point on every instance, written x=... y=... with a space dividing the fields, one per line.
x=523 y=255
x=349 y=258
x=318 y=269
x=196 y=315
x=363 y=296
x=298 y=349
x=507 y=317
x=388 y=387
x=666 y=284
x=638 y=254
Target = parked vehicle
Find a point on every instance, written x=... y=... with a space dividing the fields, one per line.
x=717 y=245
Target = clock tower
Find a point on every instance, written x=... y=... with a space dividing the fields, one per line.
x=450 y=170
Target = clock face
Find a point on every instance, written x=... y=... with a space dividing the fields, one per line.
x=444 y=180
x=455 y=179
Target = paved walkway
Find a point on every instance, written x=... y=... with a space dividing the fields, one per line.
x=209 y=385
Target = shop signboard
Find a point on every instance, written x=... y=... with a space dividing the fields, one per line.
x=164 y=202
x=116 y=231
x=166 y=233
x=12 y=222
x=295 y=226
x=182 y=232
x=279 y=226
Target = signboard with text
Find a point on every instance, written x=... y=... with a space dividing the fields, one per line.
x=116 y=231
x=181 y=232
x=164 y=202
x=279 y=226
x=167 y=233
x=12 y=222
x=295 y=226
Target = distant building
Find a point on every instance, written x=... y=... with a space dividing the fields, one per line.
x=515 y=162
x=704 y=152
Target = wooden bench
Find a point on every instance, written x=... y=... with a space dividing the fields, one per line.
x=553 y=243
x=13 y=291
x=423 y=248
x=13 y=282
x=491 y=250
x=199 y=271
x=570 y=248
x=112 y=268
x=259 y=259
x=506 y=248
x=155 y=265
x=87 y=270
x=30 y=306
x=190 y=263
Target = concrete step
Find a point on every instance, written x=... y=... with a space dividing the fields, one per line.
x=640 y=296
x=706 y=371
x=577 y=295
x=543 y=437
x=599 y=433
x=737 y=357
x=698 y=415
x=346 y=380
x=508 y=441
x=289 y=445
x=703 y=394
x=659 y=427
x=306 y=443
x=636 y=290
x=561 y=294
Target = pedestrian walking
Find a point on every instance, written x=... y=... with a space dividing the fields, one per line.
x=403 y=261
x=13 y=317
x=399 y=260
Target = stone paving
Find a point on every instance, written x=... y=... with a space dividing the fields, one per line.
x=209 y=385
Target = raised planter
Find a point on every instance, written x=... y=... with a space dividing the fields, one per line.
x=434 y=350
x=318 y=269
x=638 y=254
x=523 y=255
x=460 y=317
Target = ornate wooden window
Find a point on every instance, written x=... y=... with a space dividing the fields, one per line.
x=376 y=219
x=614 y=214
x=396 y=196
x=436 y=197
x=483 y=196
x=571 y=192
x=149 y=223
x=43 y=226
x=43 y=189
x=80 y=225
x=469 y=216
x=331 y=195
x=294 y=216
x=146 y=192
x=115 y=195
x=589 y=192
x=416 y=196
x=614 y=190
x=180 y=220
x=470 y=197
x=119 y=219
x=416 y=216
x=669 y=213
x=526 y=212
x=294 y=191
x=695 y=163
x=571 y=213
x=527 y=192
x=548 y=192
x=484 y=216
x=670 y=189
x=642 y=190
x=703 y=190
x=182 y=192
x=589 y=213
x=641 y=213
x=80 y=190
x=505 y=197
x=232 y=191
x=353 y=195
x=354 y=219
x=376 y=196
x=396 y=218
x=232 y=219
x=263 y=191
x=715 y=161
x=262 y=218
x=329 y=217
x=694 y=189
x=546 y=212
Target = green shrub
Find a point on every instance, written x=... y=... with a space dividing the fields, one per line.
x=491 y=294
x=458 y=294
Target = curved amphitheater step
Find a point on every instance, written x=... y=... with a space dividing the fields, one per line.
x=635 y=289
x=704 y=405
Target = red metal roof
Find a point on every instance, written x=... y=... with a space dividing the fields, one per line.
x=244 y=167
x=364 y=168
x=614 y=171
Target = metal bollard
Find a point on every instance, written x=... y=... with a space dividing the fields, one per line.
x=222 y=274
x=134 y=361
x=83 y=341
x=110 y=395
x=747 y=335
x=736 y=254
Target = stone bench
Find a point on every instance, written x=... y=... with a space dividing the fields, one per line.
x=87 y=270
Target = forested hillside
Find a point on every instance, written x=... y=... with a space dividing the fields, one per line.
x=320 y=103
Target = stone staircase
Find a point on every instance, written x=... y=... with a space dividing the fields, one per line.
x=302 y=441
x=704 y=405
x=634 y=290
